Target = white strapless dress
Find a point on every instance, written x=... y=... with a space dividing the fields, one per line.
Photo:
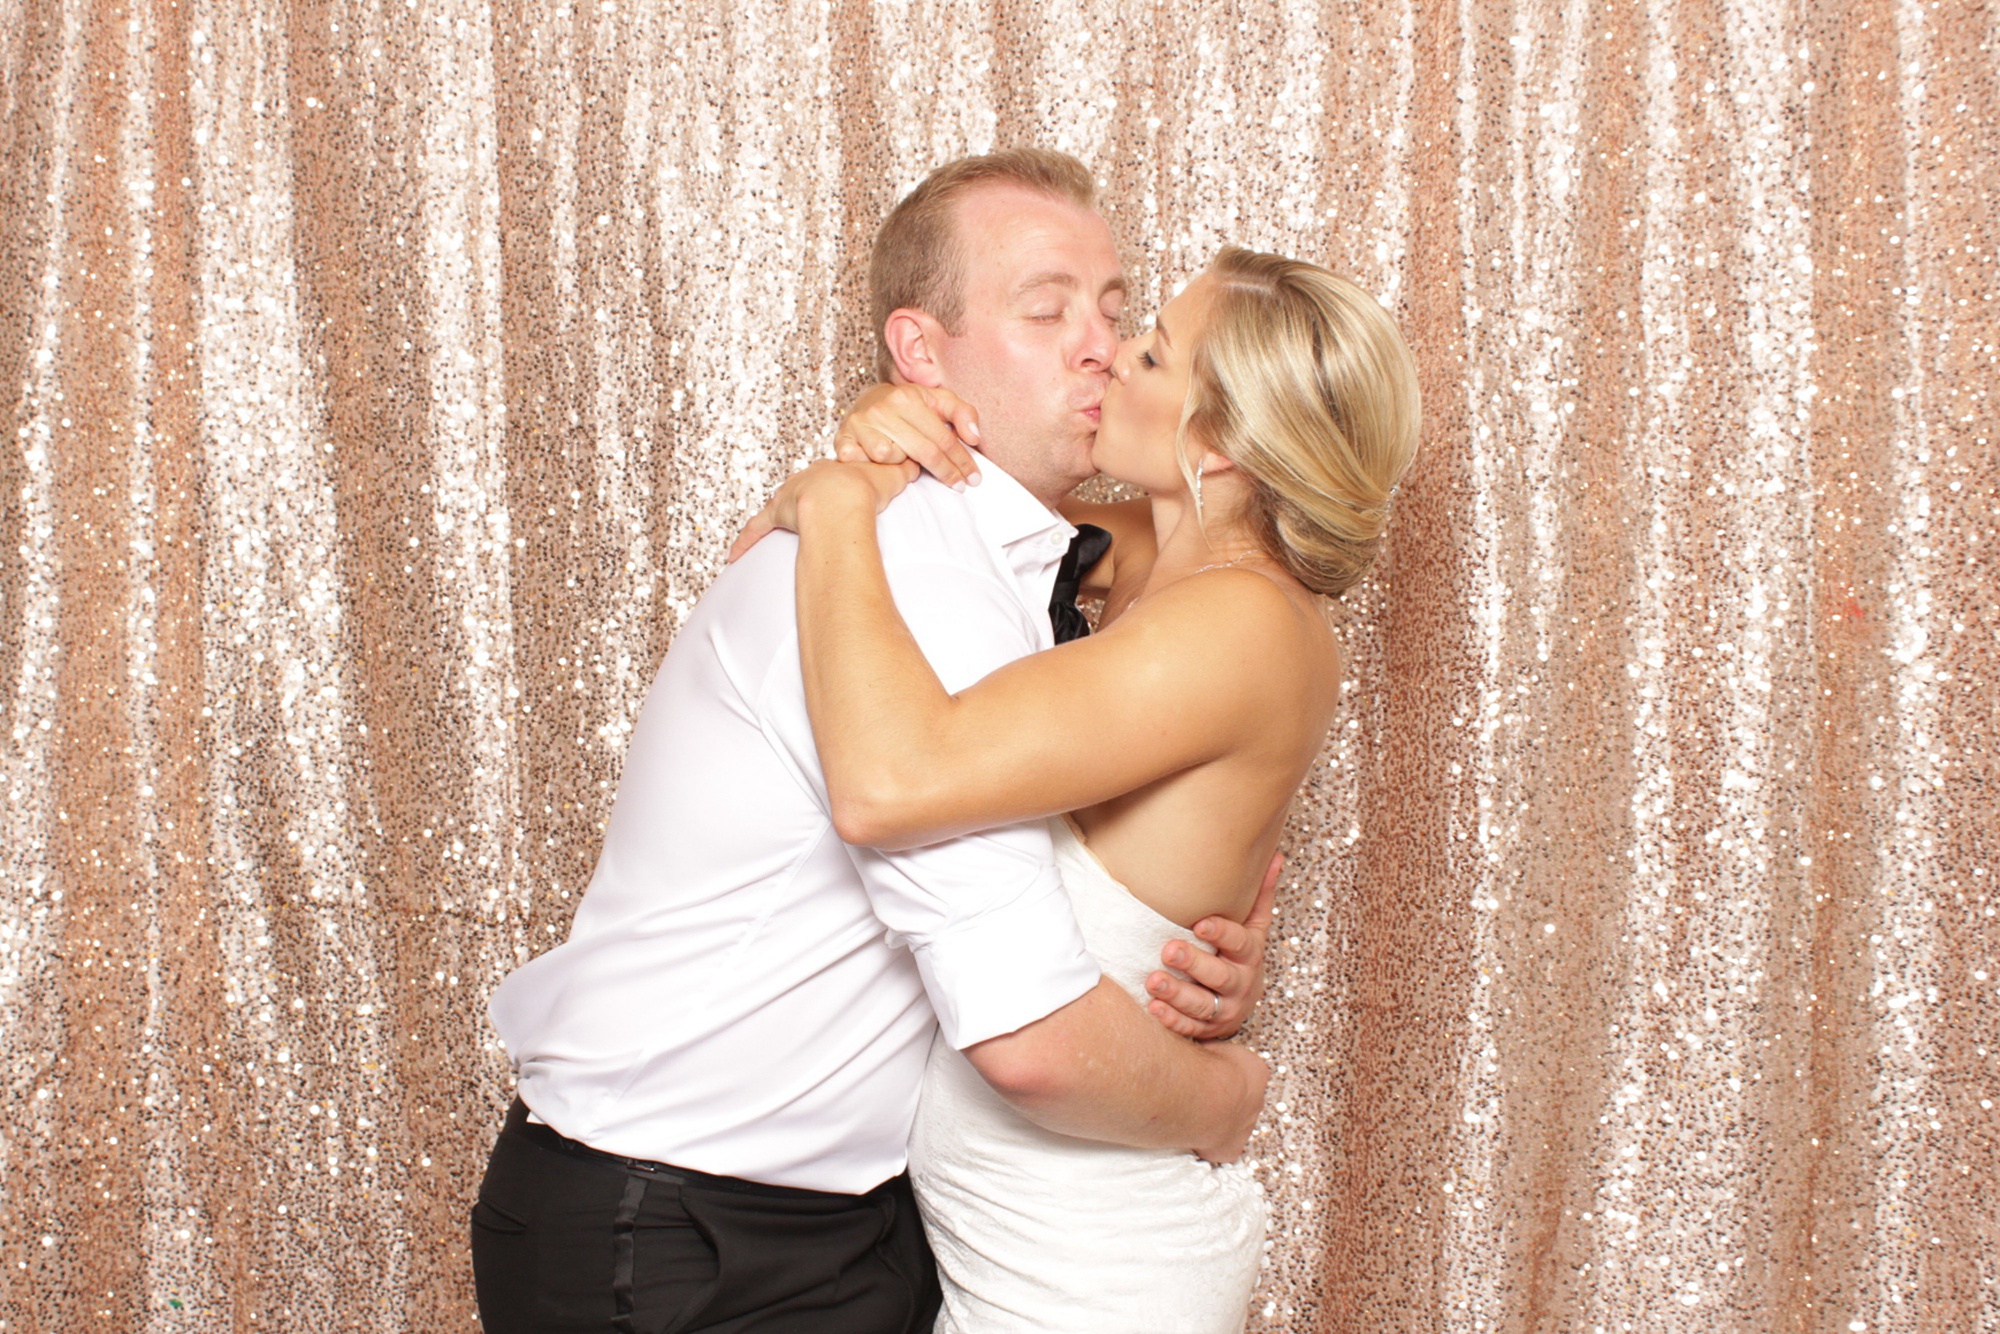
x=1035 y=1231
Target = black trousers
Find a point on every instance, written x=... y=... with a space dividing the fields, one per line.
x=565 y=1238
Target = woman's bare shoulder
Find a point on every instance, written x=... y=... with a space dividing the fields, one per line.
x=1259 y=601
x=1232 y=624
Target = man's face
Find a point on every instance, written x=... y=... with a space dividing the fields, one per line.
x=1043 y=295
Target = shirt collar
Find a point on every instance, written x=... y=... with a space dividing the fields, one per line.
x=1033 y=537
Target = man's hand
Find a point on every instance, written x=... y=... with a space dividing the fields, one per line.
x=1099 y=1069
x=1222 y=988
x=1231 y=1141
x=891 y=423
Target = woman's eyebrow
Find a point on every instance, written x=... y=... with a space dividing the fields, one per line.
x=1160 y=326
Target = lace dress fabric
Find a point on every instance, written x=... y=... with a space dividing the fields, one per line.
x=1038 y=1231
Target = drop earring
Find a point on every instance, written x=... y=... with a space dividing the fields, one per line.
x=1200 y=469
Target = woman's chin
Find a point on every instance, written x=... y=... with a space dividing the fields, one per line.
x=1125 y=476
x=1105 y=463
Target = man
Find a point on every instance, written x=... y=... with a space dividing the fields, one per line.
x=719 y=1067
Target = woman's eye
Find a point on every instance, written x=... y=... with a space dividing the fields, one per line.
x=1146 y=360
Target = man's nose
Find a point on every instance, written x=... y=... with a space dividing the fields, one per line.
x=1098 y=343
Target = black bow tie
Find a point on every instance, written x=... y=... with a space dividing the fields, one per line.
x=1085 y=550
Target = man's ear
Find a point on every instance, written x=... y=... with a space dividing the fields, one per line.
x=913 y=339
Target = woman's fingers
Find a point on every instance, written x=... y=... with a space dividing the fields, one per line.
x=1227 y=935
x=782 y=509
x=870 y=431
x=928 y=439
x=1212 y=971
x=891 y=423
x=1201 y=1011
x=945 y=458
x=1184 y=1008
x=915 y=426
x=1219 y=994
x=963 y=417
x=1221 y=988
x=885 y=440
x=958 y=421
x=753 y=532
x=1174 y=1021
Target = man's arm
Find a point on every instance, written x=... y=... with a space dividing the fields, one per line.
x=1100 y=1069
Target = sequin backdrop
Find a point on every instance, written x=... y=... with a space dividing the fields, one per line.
x=383 y=379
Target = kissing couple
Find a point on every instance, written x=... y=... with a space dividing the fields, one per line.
x=851 y=1032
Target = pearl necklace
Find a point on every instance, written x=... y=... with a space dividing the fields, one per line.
x=1219 y=565
x=1222 y=565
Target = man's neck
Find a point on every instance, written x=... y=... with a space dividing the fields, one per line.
x=1041 y=489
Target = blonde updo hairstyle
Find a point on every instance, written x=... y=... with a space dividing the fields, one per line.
x=1303 y=382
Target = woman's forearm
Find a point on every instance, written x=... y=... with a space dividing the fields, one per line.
x=878 y=709
x=907 y=762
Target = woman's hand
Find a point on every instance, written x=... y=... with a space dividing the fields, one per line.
x=1222 y=988
x=825 y=482
x=893 y=422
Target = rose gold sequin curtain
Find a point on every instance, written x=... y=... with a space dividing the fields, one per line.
x=383 y=379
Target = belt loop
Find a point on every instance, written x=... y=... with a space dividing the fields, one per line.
x=622 y=1247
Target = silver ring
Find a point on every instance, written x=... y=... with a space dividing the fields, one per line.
x=1214 y=1005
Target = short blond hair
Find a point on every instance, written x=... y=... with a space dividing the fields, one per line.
x=917 y=262
x=1303 y=381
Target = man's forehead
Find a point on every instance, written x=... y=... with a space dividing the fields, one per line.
x=1027 y=239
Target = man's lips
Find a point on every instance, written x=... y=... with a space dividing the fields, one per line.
x=1093 y=412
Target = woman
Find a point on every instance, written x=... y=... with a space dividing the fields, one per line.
x=1268 y=415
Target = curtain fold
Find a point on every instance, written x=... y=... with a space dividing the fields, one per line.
x=383 y=382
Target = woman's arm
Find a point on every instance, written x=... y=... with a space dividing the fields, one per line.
x=907 y=763
x=1223 y=987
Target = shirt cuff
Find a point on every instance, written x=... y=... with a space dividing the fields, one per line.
x=1007 y=968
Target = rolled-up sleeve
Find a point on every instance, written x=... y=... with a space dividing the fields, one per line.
x=990 y=927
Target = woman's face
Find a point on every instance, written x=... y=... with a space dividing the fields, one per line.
x=1149 y=384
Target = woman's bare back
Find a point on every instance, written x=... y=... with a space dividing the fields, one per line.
x=1196 y=842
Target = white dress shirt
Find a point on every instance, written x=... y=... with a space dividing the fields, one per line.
x=741 y=992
